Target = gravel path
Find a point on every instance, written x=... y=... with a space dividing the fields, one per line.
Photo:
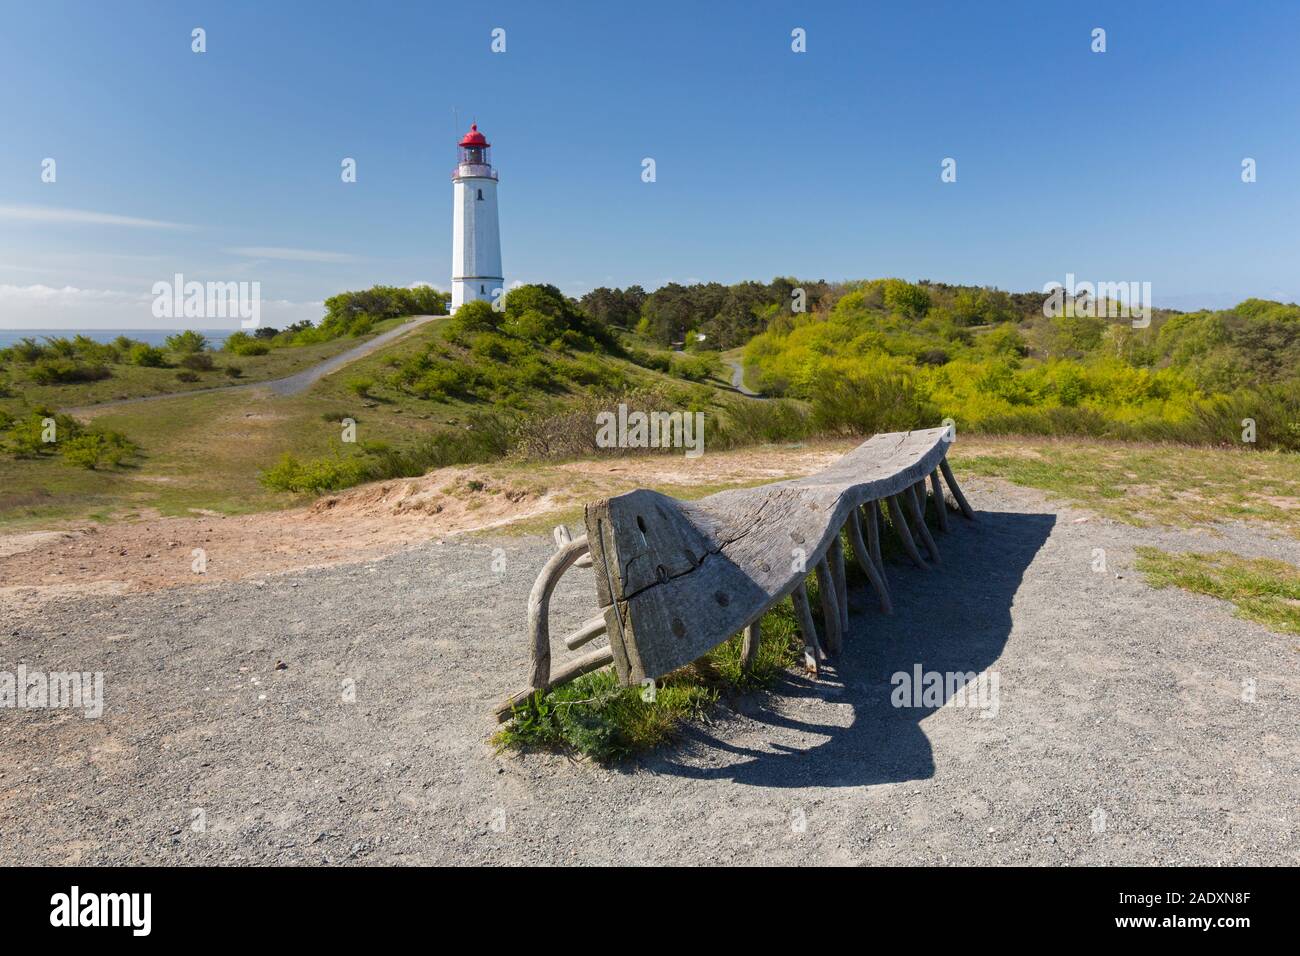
x=738 y=380
x=1114 y=700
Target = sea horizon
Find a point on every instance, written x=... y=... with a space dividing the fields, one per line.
x=10 y=337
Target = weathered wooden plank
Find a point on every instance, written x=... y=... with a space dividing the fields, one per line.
x=862 y=552
x=675 y=578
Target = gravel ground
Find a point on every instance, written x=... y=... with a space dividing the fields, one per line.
x=1121 y=734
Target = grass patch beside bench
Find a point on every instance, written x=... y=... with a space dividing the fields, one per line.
x=594 y=717
x=1262 y=590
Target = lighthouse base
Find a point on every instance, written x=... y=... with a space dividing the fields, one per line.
x=475 y=289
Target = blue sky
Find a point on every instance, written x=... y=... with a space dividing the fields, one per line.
x=225 y=165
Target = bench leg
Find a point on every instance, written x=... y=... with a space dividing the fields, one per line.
x=962 y=503
x=830 y=607
x=904 y=535
x=841 y=582
x=873 y=534
x=862 y=552
x=812 y=651
x=940 y=503
x=916 y=498
x=749 y=647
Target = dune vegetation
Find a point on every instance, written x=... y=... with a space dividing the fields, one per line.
x=526 y=382
x=888 y=354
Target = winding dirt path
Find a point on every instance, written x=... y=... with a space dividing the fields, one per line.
x=738 y=380
x=289 y=385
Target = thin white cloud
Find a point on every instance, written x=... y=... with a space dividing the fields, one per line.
x=64 y=295
x=84 y=217
x=291 y=255
x=70 y=307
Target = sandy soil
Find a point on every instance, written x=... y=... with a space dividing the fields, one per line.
x=361 y=524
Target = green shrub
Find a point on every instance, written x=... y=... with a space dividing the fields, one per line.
x=187 y=341
x=241 y=343
x=761 y=422
x=94 y=449
x=197 y=361
x=360 y=386
x=146 y=356
x=476 y=316
x=314 y=474
x=874 y=394
x=483 y=438
x=63 y=371
x=355 y=313
x=26 y=437
x=696 y=368
x=26 y=350
x=906 y=299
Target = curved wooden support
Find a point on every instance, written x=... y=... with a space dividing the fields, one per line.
x=749 y=645
x=873 y=534
x=841 y=581
x=539 y=607
x=905 y=535
x=563 y=537
x=812 y=651
x=830 y=607
x=940 y=503
x=916 y=500
x=862 y=552
x=962 y=503
x=592 y=660
x=590 y=630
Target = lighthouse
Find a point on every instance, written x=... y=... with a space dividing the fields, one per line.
x=475 y=234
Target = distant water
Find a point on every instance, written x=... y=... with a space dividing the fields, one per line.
x=152 y=336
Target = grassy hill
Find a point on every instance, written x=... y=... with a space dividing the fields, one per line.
x=527 y=382
x=483 y=385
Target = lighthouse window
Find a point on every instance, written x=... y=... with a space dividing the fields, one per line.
x=482 y=289
x=480 y=194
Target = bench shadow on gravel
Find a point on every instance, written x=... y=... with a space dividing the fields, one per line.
x=955 y=618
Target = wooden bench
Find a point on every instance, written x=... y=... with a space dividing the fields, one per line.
x=674 y=579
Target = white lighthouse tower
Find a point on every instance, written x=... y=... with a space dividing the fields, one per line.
x=475 y=234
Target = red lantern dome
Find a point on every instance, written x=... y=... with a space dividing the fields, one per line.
x=475 y=156
x=474 y=137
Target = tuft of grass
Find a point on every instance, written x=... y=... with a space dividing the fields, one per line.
x=594 y=717
x=1262 y=590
